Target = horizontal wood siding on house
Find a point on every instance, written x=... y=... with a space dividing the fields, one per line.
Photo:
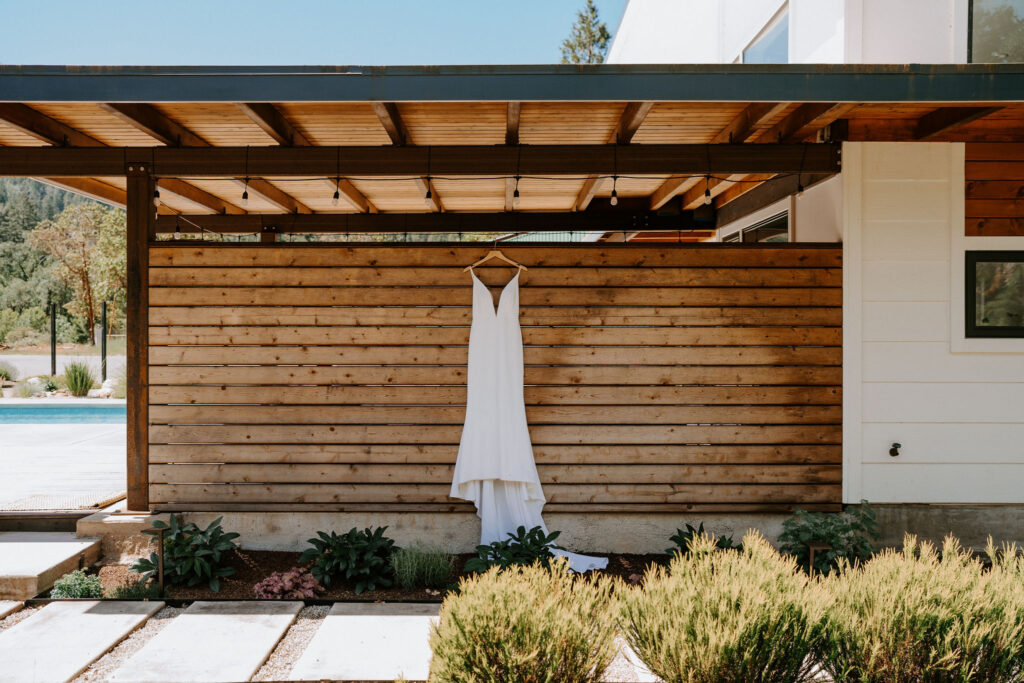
x=673 y=378
x=994 y=180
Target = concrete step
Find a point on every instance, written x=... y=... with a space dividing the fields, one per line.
x=62 y=639
x=212 y=642
x=8 y=607
x=31 y=561
x=370 y=642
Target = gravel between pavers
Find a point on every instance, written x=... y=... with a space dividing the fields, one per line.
x=21 y=615
x=293 y=644
x=105 y=666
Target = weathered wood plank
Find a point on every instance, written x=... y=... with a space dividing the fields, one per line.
x=544 y=455
x=462 y=315
x=547 y=336
x=534 y=395
x=994 y=208
x=454 y=506
x=540 y=434
x=456 y=355
x=567 y=375
x=462 y=296
x=536 y=415
x=717 y=255
x=438 y=493
x=257 y=473
x=994 y=227
x=581 y=276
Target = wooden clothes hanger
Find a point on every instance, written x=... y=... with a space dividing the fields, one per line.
x=494 y=253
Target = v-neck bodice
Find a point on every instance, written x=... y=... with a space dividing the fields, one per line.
x=480 y=288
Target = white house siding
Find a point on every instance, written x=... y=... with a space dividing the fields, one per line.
x=959 y=415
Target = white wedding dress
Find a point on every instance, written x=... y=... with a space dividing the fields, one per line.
x=495 y=467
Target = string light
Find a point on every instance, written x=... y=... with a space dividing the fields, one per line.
x=515 y=194
x=707 y=190
x=337 y=192
x=615 y=195
x=245 y=192
x=428 y=198
x=156 y=197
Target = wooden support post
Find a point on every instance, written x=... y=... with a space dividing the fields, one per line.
x=140 y=219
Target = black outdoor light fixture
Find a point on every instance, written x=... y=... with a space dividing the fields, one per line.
x=894 y=450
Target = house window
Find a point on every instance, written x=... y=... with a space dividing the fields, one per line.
x=994 y=293
x=774 y=229
x=772 y=45
x=996 y=31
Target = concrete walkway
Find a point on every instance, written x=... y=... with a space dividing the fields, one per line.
x=31 y=561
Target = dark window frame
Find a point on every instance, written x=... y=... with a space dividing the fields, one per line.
x=972 y=329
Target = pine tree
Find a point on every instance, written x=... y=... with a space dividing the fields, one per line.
x=588 y=41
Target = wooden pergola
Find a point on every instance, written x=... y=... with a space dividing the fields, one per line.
x=673 y=149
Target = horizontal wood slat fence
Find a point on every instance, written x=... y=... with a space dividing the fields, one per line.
x=994 y=192
x=672 y=378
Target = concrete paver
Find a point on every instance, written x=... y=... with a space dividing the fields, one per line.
x=62 y=639
x=9 y=607
x=212 y=641
x=370 y=642
x=31 y=561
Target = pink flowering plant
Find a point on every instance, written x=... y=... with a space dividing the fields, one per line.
x=295 y=584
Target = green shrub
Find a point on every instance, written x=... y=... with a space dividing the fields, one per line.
x=140 y=589
x=79 y=378
x=360 y=557
x=8 y=321
x=77 y=584
x=24 y=336
x=521 y=548
x=7 y=371
x=525 y=624
x=682 y=538
x=850 y=535
x=191 y=555
x=732 y=616
x=417 y=567
x=908 y=616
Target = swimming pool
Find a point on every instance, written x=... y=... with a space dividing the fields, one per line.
x=44 y=412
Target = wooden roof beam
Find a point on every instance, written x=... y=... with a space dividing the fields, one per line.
x=426 y=185
x=804 y=121
x=629 y=123
x=946 y=119
x=738 y=189
x=591 y=185
x=670 y=188
x=391 y=119
x=695 y=196
x=512 y=114
x=91 y=188
x=198 y=196
x=272 y=194
x=43 y=128
x=270 y=119
x=153 y=122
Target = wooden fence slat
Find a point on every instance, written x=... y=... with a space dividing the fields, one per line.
x=534 y=395
x=544 y=455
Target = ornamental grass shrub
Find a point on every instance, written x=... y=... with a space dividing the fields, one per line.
x=79 y=378
x=724 y=615
x=918 y=616
x=416 y=567
x=525 y=624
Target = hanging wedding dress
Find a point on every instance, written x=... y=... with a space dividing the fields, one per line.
x=495 y=467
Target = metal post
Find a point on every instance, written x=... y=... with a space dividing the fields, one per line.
x=53 y=339
x=103 y=341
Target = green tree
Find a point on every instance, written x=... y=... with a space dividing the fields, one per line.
x=18 y=218
x=997 y=33
x=588 y=41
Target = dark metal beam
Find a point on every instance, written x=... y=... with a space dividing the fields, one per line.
x=431 y=222
x=945 y=119
x=456 y=160
x=765 y=194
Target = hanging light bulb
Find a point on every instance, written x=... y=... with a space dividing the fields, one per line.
x=799 y=190
x=515 y=194
x=337 y=192
x=707 y=191
x=428 y=198
x=245 y=193
x=156 y=197
x=615 y=195
x=177 y=231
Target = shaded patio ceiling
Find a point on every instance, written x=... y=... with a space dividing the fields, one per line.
x=442 y=140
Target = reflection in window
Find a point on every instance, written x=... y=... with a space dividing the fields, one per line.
x=996 y=31
x=995 y=294
x=774 y=229
x=772 y=46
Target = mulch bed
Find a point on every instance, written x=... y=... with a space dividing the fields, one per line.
x=255 y=565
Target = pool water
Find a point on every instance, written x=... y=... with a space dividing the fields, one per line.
x=63 y=413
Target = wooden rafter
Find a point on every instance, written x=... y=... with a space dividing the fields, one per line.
x=805 y=121
x=198 y=196
x=766 y=194
x=270 y=119
x=735 y=190
x=695 y=196
x=157 y=125
x=512 y=114
x=90 y=187
x=391 y=119
x=738 y=130
x=44 y=128
x=946 y=119
x=426 y=185
x=629 y=122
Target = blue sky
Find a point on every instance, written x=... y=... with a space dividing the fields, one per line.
x=289 y=31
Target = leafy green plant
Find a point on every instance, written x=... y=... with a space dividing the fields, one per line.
x=77 y=584
x=683 y=537
x=50 y=382
x=140 y=589
x=911 y=615
x=79 y=378
x=521 y=548
x=417 y=567
x=191 y=555
x=731 y=616
x=8 y=372
x=360 y=557
x=525 y=624
x=850 y=535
